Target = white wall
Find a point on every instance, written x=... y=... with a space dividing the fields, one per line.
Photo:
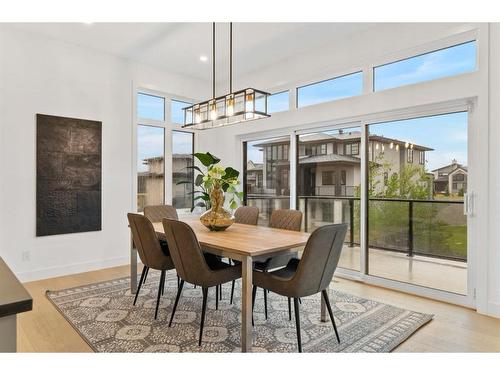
x=381 y=45
x=39 y=75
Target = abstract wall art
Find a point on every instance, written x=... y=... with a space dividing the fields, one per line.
x=68 y=183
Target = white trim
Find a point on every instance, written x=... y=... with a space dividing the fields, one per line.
x=69 y=269
x=292 y=177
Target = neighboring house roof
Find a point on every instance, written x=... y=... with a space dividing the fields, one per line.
x=329 y=158
x=452 y=167
x=251 y=166
x=346 y=136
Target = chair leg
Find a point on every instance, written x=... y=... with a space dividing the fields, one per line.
x=297 y=322
x=162 y=279
x=178 y=281
x=203 y=311
x=254 y=293
x=265 y=302
x=220 y=292
x=232 y=292
x=327 y=303
x=179 y=292
x=146 y=275
x=217 y=297
x=289 y=308
x=163 y=284
x=141 y=281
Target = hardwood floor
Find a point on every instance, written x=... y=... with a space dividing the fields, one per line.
x=454 y=328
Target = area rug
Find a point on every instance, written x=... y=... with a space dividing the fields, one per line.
x=104 y=316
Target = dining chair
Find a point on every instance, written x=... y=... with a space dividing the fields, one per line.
x=158 y=212
x=244 y=215
x=150 y=253
x=192 y=265
x=280 y=219
x=310 y=275
x=155 y=213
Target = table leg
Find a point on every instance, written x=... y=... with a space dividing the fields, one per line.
x=324 y=316
x=133 y=267
x=246 y=304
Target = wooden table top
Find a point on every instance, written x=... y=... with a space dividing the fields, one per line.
x=247 y=240
x=14 y=298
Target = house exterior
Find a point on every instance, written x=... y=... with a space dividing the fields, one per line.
x=329 y=164
x=450 y=179
x=151 y=183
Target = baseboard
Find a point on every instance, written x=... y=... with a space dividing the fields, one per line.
x=47 y=273
x=494 y=309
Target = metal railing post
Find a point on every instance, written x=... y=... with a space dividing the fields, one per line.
x=410 y=228
x=351 y=214
x=305 y=214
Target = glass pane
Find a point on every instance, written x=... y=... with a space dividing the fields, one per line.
x=150 y=107
x=416 y=183
x=332 y=89
x=182 y=157
x=177 y=114
x=443 y=63
x=150 y=166
x=278 y=102
x=328 y=186
x=268 y=176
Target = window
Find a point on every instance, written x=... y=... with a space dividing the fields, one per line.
x=278 y=102
x=182 y=157
x=266 y=181
x=343 y=177
x=150 y=166
x=352 y=149
x=332 y=89
x=327 y=178
x=421 y=159
x=409 y=155
x=437 y=64
x=177 y=114
x=459 y=177
x=150 y=107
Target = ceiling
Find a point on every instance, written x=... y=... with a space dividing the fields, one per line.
x=177 y=47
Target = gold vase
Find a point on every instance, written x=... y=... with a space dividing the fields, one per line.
x=217 y=218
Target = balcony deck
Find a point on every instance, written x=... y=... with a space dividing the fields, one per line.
x=443 y=274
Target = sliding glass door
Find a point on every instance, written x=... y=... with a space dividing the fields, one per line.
x=267 y=175
x=416 y=182
x=328 y=185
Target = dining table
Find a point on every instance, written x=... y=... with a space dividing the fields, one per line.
x=242 y=242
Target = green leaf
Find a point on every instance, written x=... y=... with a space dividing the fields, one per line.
x=184 y=182
x=207 y=159
x=195 y=167
x=199 y=180
x=225 y=186
x=233 y=205
x=205 y=198
x=231 y=173
x=239 y=194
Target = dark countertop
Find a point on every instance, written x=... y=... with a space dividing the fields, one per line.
x=14 y=298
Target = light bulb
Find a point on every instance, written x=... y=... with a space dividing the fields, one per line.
x=230 y=106
x=249 y=103
x=213 y=113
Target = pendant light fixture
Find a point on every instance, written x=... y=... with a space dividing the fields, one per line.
x=238 y=106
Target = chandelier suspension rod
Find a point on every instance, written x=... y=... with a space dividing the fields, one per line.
x=230 y=57
x=213 y=60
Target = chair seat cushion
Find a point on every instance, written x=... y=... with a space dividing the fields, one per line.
x=277 y=281
x=275 y=262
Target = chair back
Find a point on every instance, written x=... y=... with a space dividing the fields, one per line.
x=156 y=213
x=319 y=259
x=146 y=241
x=186 y=252
x=247 y=215
x=286 y=219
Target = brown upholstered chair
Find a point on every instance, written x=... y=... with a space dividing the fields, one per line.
x=192 y=265
x=150 y=252
x=311 y=274
x=156 y=213
x=246 y=215
x=280 y=219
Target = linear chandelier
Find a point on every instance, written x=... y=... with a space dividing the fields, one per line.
x=235 y=107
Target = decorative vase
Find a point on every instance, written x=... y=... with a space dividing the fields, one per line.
x=217 y=218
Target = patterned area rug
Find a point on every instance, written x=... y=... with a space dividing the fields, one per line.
x=104 y=316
